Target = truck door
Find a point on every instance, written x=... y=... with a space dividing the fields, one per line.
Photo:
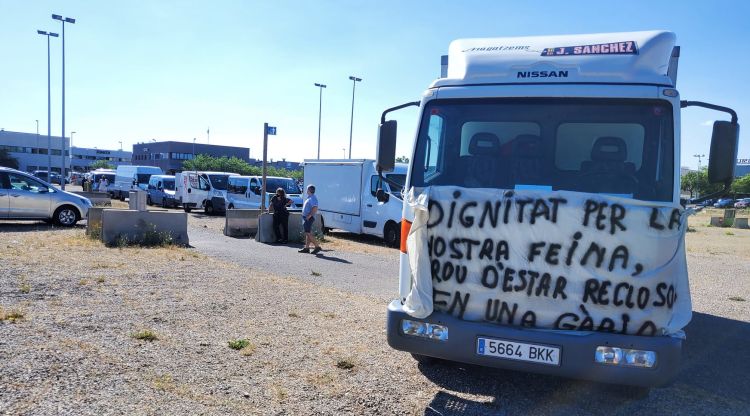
x=373 y=219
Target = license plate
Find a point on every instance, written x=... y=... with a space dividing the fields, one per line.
x=519 y=351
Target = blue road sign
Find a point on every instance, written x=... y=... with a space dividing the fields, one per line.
x=271 y=131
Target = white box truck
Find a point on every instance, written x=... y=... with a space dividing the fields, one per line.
x=204 y=190
x=542 y=228
x=131 y=178
x=346 y=196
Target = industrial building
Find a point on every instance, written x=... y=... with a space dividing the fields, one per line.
x=31 y=152
x=169 y=155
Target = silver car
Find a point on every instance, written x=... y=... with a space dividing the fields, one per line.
x=24 y=197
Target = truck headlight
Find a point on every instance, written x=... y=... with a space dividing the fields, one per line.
x=625 y=357
x=424 y=330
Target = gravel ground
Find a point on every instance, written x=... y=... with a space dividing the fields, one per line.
x=73 y=352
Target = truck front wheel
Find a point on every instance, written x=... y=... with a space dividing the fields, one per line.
x=209 y=208
x=391 y=234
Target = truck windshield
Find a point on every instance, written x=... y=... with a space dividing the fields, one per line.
x=396 y=178
x=219 y=182
x=288 y=185
x=169 y=185
x=143 y=177
x=612 y=146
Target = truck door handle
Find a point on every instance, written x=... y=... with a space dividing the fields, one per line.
x=369 y=205
x=15 y=195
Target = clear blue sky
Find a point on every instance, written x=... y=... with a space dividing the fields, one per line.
x=168 y=70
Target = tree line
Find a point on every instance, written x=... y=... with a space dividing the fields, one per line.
x=696 y=183
x=235 y=165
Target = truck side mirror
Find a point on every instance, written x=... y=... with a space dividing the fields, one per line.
x=386 y=151
x=381 y=195
x=723 y=155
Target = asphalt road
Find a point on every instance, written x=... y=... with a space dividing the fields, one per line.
x=715 y=370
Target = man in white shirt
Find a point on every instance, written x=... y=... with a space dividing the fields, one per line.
x=309 y=209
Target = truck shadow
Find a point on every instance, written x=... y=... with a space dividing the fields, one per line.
x=714 y=370
x=31 y=226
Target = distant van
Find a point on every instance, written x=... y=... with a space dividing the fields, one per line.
x=244 y=192
x=130 y=178
x=96 y=177
x=206 y=190
x=161 y=190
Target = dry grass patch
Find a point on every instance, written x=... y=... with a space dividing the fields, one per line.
x=12 y=315
x=249 y=349
x=145 y=335
x=238 y=344
x=279 y=392
x=737 y=298
x=345 y=363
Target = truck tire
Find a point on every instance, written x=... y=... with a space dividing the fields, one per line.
x=122 y=197
x=209 y=208
x=231 y=206
x=326 y=230
x=187 y=208
x=149 y=202
x=425 y=359
x=391 y=234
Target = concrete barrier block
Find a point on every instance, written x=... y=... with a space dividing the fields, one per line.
x=265 y=228
x=717 y=221
x=97 y=198
x=94 y=222
x=741 y=223
x=140 y=226
x=241 y=222
x=137 y=200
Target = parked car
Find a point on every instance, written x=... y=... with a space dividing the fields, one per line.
x=161 y=191
x=724 y=203
x=51 y=178
x=742 y=203
x=25 y=197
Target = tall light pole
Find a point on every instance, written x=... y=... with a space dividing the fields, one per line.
x=49 y=105
x=63 y=20
x=120 y=145
x=71 y=150
x=320 y=112
x=355 y=80
x=699 y=160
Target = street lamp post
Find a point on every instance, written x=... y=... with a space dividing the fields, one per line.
x=699 y=160
x=49 y=105
x=320 y=112
x=63 y=20
x=120 y=145
x=71 y=150
x=355 y=80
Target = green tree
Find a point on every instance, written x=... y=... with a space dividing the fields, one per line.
x=696 y=182
x=402 y=159
x=7 y=160
x=741 y=185
x=236 y=165
x=101 y=164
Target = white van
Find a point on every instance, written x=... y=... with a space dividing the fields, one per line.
x=346 y=191
x=161 y=191
x=130 y=178
x=244 y=192
x=97 y=175
x=206 y=190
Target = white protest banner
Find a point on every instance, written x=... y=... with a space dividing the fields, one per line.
x=556 y=260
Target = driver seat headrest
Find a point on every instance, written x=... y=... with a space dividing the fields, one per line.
x=609 y=149
x=484 y=144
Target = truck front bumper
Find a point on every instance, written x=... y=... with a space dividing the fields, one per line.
x=576 y=355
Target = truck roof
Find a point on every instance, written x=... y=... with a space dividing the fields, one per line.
x=611 y=58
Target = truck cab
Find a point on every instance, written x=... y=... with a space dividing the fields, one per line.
x=542 y=229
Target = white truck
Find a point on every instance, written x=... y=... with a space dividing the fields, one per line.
x=204 y=190
x=131 y=178
x=542 y=228
x=346 y=196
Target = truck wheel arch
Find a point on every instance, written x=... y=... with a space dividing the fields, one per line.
x=392 y=233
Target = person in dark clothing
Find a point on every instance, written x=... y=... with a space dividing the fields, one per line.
x=278 y=205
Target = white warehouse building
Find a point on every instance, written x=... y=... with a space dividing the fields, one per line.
x=30 y=150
